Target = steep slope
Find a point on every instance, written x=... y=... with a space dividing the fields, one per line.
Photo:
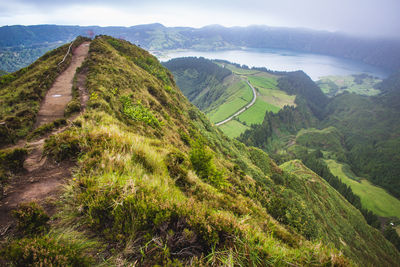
x=202 y=81
x=371 y=127
x=155 y=183
x=343 y=224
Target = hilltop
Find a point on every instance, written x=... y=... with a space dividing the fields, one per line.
x=154 y=182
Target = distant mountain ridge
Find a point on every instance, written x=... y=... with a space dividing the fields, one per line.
x=380 y=52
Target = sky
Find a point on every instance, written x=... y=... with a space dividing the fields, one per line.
x=370 y=18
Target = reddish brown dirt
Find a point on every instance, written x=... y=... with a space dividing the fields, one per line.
x=60 y=93
x=43 y=179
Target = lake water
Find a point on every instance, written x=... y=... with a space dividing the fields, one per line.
x=314 y=65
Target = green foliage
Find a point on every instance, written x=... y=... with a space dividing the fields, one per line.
x=324 y=202
x=72 y=107
x=62 y=147
x=12 y=159
x=46 y=128
x=391 y=235
x=328 y=139
x=201 y=159
x=362 y=84
x=193 y=75
x=298 y=83
x=31 y=219
x=382 y=203
x=295 y=213
x=138 y=112
x=43 y=251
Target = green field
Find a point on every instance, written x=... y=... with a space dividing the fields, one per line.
x=240 y=95
x=363 y=85
x=233 y=128
x=269 y=98
x=372 y=197
x=237 y=70
x=265 y=81
x=256 y=113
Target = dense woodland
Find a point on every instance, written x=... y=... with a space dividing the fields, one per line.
x=195 y=75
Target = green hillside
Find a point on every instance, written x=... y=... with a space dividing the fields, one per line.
x=155 y=183
x=325 y=204
x=220 y=98
x=372 y=197
x=21 y=92
x=362 y=84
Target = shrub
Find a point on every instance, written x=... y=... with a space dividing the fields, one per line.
x=43 y=251
x=12 y=159
x=72 y=107
x=31 y=218
x=46 y=128
x=138 y=112
x=62 y=147
x=201 y=160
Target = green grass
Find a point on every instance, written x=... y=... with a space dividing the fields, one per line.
x=333 y=85
x=21 y=92
x=269 y=98
x=262 y=81
x=241 y=94
x=328 y=139
x=237 y=70
x=372 y=197
x=337 y=220
x=233 y=128
x=256 y=113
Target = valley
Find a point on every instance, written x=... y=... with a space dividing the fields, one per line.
x=287 y=127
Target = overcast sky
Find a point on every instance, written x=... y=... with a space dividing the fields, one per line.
x=360 y=17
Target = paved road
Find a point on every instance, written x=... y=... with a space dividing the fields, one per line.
x=241 y=110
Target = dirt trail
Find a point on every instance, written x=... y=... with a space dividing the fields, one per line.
x=60 y=93
x=42 y=179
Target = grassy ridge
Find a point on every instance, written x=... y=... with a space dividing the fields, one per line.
x=139 y=186
x=372 y=197
x=21 y=92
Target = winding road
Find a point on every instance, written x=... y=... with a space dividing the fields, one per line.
x=241 y=110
